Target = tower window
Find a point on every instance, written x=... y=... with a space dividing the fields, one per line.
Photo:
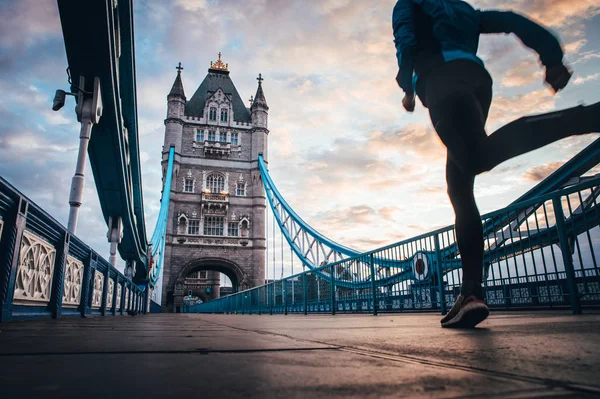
x=199 y=136
x=234 y=139
x=203 y=274
x=212 y=114
x=213 y=226
x=188 y=187
x=223 y=115
x=240 y=189
x=215 y=183
x=234 y=230
x=193 y=227
x=223 y=137
x=212 y=136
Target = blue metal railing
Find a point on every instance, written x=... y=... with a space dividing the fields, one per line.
x=548 y=257
x=47 y=272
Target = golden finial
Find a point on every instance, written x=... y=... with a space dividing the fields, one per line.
x=219 y=66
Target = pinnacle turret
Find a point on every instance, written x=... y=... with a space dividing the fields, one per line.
x=177 y=89
x=259 y=98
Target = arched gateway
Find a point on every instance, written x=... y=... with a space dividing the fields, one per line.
x=216 y=221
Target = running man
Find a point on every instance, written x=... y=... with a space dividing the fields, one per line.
x=436 y=45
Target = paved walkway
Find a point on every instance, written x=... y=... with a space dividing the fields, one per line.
x=512 y=355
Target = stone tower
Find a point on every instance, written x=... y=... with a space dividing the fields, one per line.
x=217 y=211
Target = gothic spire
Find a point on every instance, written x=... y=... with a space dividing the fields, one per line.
x=259 y=98
x=177 y=89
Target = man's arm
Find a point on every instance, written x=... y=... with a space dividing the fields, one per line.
x=531 y=34
x=405 y=41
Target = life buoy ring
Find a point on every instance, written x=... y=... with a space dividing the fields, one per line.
x=421 y=266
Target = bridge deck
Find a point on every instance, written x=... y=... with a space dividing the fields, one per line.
x=516 y=355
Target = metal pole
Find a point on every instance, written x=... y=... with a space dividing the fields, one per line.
x=78 y=181
x=373 y=288
x=332 y=274
x=438 y=269
x=89 y=110
x=566 y=254
x=305 y=293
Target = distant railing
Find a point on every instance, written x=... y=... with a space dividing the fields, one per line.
x=215 y=197
x=548 y=256
x=47 y=272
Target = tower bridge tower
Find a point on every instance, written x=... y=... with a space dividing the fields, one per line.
x=216 y=219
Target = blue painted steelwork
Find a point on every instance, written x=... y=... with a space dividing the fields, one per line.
x=19 y=214
x=160 y=230
x=523 y=268
x=99 y=43
x=309 y=245
x=316 y=250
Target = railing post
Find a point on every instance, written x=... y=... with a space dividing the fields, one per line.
x=566 y=254
x=284 y=295
x=259 y=300
x=10 y=246
x=105 y=292
x=373 y=287
x=122 y=300
x=58 y=281
x=305 y=288
x=272 y=297
x=438 y=270
x=332 y=275
x=85 y=285
x=113 y=309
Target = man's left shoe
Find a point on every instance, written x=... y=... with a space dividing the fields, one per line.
x=466 y=313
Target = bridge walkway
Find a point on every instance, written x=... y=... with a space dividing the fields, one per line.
x=513 y=355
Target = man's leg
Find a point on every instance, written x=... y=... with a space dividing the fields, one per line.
x=533 y=132
x=468 y=227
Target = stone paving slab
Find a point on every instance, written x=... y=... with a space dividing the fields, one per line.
x=515 y=355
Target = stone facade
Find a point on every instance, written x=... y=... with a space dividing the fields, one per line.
x=217 y=209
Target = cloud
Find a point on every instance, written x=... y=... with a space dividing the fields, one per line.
x=583 y=79
x=539 y=173
x=508 y=108
x=554 y=13
x=523 y=74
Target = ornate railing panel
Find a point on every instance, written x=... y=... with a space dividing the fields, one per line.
x=73 y=281
x=36 y=268
x=98 y=287
x=110 y=294
x=119 y=292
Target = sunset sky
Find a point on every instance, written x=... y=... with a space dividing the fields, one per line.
x=342 y=151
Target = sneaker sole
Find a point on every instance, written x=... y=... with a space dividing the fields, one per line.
x=468 y=317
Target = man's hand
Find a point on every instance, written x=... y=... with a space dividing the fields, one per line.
x=558 y=76
x=409 y=102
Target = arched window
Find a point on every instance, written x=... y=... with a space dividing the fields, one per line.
x=212 y=114
x=215 y=183
x=223 y=115
x=240 y=189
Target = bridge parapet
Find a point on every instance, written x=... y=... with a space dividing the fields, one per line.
x=47 y=272
x=539 y=253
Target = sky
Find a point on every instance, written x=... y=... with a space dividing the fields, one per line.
x=342 y=151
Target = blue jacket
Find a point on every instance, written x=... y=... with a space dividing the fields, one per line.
x=430 y=32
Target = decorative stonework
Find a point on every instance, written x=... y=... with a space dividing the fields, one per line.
x=36 y=267
x=111 y=292
x=119 y=291
x=225 y=241
x=73 y=281
x=98 y=287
